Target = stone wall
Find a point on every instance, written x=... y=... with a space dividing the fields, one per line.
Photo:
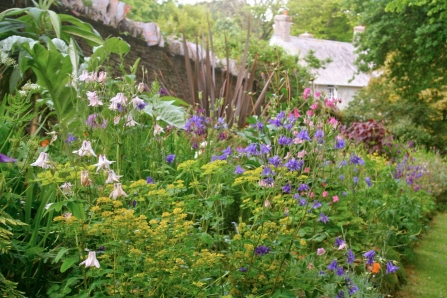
x=160 y=61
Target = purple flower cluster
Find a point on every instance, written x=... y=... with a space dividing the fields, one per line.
x=294 y=165
x=196 y=124
x=224 y=156
x=170 y=158
x=370 y=256
x=261 y=250
x=356 y=160
x=390 y=268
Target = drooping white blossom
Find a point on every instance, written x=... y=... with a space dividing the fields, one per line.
x=103 y=163
x=85 y=149
x=42 y=161
x=91 y=260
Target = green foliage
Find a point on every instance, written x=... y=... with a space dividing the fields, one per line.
x=323 y=19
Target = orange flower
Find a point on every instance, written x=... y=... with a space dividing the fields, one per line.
x=375 y=268
x=45 y=143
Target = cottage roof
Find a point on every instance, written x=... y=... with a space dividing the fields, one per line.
x=340 y=72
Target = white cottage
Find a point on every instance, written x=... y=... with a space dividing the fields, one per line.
x=340 y=79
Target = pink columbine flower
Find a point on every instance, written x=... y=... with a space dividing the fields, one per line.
x=91 y=260
x=267 y=204
x=330 y=103
x=302 y=153
x=335 y=199
x=112 y=177
x=130 y=122
x=117 y=191
x=119 y=99
x=42 y=161
x=102 y=76
x=310 y=266
x=116 y=120
x=317 y=94
x=311 y=194
x=85 y=181
x=103 y=163
x=310 y=113
x=87 y=77
x=314 y=106
x=334 y=122
x=324 y=194
x=320 y=251
x=306 y=93
x=306 y=170
x=66 y=188
x=85 y=149
x=94 y=99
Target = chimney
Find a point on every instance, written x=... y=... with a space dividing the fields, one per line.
x=282 y=26
x=358 y=30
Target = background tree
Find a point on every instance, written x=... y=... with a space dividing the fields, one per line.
x=408 y=39
x=325 y=19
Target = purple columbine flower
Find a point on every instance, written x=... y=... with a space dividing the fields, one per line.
x=333 y=265
x=265 y=149
x=220 y=124
x=134 y=203
x=318 y=134
x=340 y=144
x=71 y=138
x=243 y=269
x=302 y=202
x=170 y=158
x=275 y=161
x=368 y=181
x=350 y=257
x=267 y=171
x=343 y=163
x=303 y=135
x=323 y=218
x=352 y=289
x=163 y=91
x=340 y=294
x=390 y=268
x=286 y=141
x=261 y=250
x=316 y=204
x=259 y=125
x=356 y=160
x=196 y=124
x=370 y=256
x=338 y=242
x=303 y=187
x=149 y=180
x=239 y=170
x=356 y=180
x=287 y=188
x=251 y=149
x=340 y=271
x=294 y=165
x=341 y=177
x=5 y=158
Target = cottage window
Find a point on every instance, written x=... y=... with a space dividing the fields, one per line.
x=331 y=92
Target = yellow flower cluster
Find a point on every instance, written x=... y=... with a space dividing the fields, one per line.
x=212 y=167
x=249 y=176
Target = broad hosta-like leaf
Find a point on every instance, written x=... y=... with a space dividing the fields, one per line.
x=166 y=111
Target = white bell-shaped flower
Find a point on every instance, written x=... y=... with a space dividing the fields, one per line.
x=91 y=260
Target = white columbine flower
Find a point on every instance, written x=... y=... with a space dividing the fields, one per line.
x=103 y=163
x=66 y=188
x=116 y=120
x=102 y=76
x=141 y=87
x=137 y=103
x=113 y=177
x=86 y=77
x=85 y=181
x=53 y=135
x=85 y=149
x=117 y=191
x=158 y=130
x=130 y=121
x=94 y=99
x=42 y=161
x=91 y=260
x=119 y=99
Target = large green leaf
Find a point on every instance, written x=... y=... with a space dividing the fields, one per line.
x=90 y=37
x=56 y=22
x=166 y=111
